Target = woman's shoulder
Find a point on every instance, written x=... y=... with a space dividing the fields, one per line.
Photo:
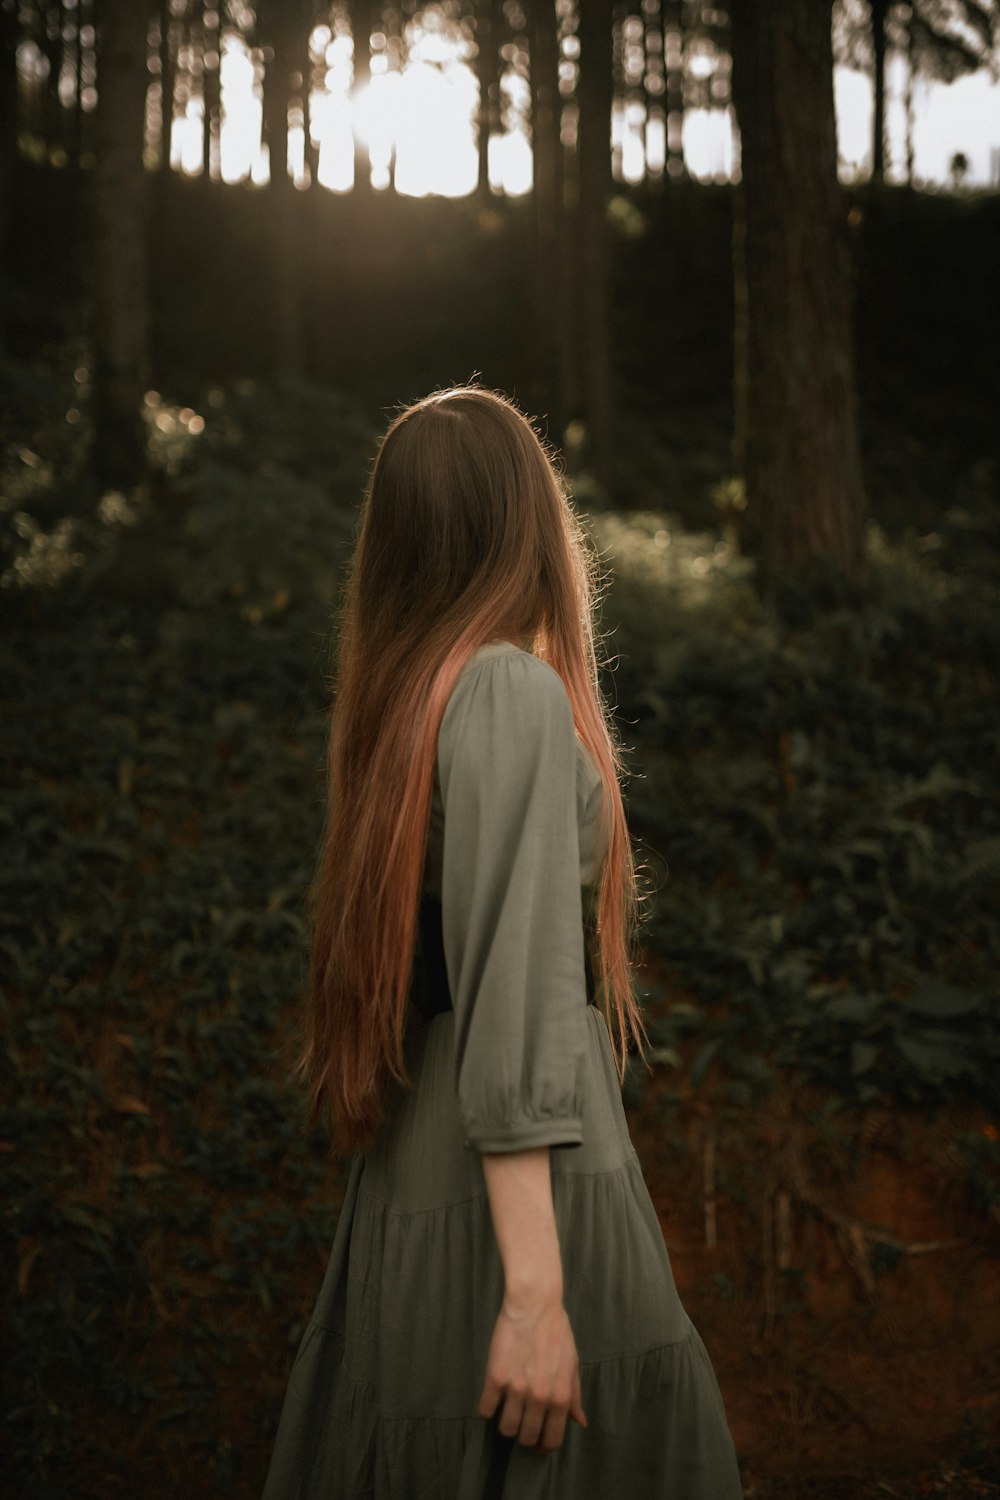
x=506 y=692
x=502 y=669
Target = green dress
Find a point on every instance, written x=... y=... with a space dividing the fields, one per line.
x=382 y=1397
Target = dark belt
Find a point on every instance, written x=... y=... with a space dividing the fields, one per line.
x=429 y=989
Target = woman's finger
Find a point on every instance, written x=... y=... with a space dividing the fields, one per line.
x=531 y=1423
x=576 y=1401
x=510 y=1417
x=553 y=1430
x=490 y=1396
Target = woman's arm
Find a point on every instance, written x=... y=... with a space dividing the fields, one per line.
x=532 y=1368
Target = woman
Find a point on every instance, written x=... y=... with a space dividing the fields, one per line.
x=498 y=1316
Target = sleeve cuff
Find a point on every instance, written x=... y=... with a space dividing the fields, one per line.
x=565 y=1132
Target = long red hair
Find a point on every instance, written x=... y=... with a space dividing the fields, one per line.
x=467 y=535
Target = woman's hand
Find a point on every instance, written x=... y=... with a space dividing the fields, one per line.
x=533 y=1373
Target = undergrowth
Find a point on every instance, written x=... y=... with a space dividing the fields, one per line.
x=812 y=789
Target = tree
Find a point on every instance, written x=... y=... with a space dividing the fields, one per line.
x=211 y=61
x=167 y=79
x=594 y=93
x=8 y=133
x=880 y=14
x=487 y=67
x=283 y=27
x=121 y=334
x=673 y=55
x=546 y=150
x=795 y=441
x=365 y=18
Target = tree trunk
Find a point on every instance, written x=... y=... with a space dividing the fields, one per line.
x=310 y=153
x=83 y=17
x=796 y=427
x=673 y=67
x=879 y=14
x=283 y=40
x=595 y=93
x=488 y=74
x=121 y=334
x=361 y=30
x=911 y=67
x=166 y=88
x=211 y=32
x=8 y=144
x=545 y=219
x=52 y=47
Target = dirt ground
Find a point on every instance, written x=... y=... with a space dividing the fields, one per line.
x=845 y=1286
x=843 y=1276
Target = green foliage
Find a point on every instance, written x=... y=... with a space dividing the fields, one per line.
x=811 y=783
x=159 y=833
x=819 y=790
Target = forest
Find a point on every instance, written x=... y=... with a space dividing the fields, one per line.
x=235 y=237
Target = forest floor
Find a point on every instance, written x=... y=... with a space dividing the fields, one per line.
x=824 y=1159
x=840 y=1380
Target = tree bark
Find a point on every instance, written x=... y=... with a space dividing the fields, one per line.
x=796 y=435
x=595 y=92
x=166 y=88
x=361 y=30
x=52 y=47
x=488 y=74
x=911 y=68
x=545 y=220
x=673 y=65
x=211 y=81
x=879 y=14
x=83 y=18
x=120 y=278
x=283 y=40
x=8 y=143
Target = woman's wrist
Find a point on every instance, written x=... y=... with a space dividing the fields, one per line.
x=519 y=1185
x=530 y=1288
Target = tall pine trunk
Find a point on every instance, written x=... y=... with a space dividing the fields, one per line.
x=796 y=434
x=547 y=180
x=8 y=144
x=488 y=74
x=167 y=72
x=879 y=13
x=673 y=68
x=211 y=83
x=362 y=18
x=284 y=41
x=120 y=277
x=594 y=92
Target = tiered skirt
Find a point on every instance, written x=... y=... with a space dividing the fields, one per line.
x=382 y=1399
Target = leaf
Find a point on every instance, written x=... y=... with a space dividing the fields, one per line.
x=942 y=1001
x=702 y=1059
x=852 y=1006
x=85 y=1217
x=97 y=844
x=934 y=1055
x=863 y=1056
x=940 y=781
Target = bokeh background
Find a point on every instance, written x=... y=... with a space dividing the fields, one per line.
x=739 y=262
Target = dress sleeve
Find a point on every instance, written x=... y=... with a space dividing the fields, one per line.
x=512 y=917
